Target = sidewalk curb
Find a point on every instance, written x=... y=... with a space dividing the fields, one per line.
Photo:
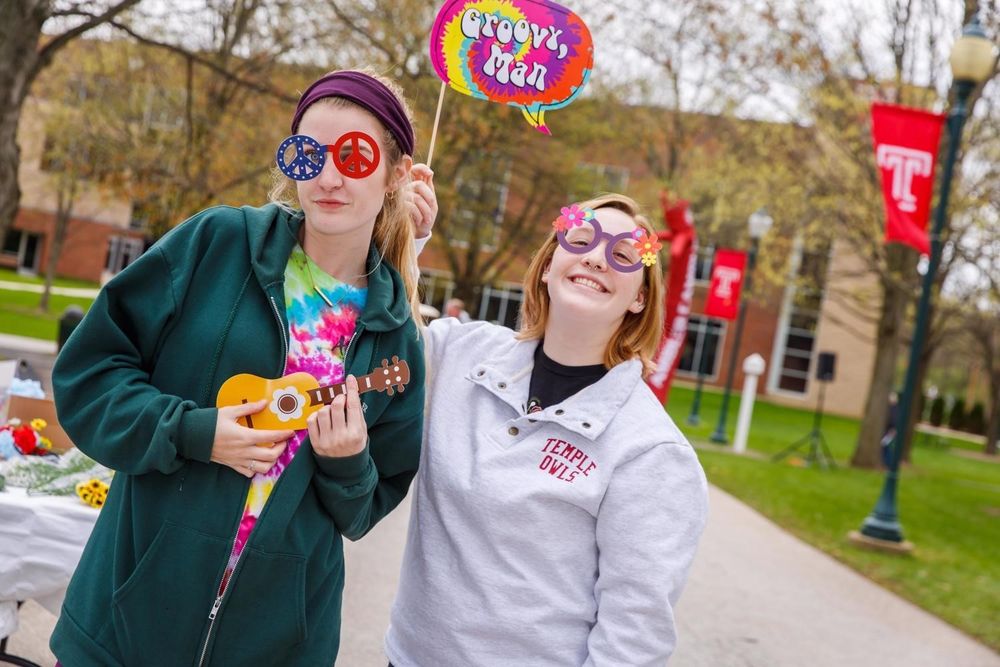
x=25 y=344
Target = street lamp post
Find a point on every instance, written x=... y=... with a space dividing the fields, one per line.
x=972 y=61
x=693 y=419
x=758 y=224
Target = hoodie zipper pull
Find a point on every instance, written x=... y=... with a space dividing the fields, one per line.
x=215 y=608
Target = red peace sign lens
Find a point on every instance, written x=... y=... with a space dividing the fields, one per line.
x=350 y=159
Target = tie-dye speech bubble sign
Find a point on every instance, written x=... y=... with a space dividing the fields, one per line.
x=532 y=54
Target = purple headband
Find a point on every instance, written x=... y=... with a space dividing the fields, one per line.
x=366 y=91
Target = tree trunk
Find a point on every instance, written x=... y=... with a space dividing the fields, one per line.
x=867 y=453
x=993 y=428
x=63 y=212
x=20 y=29
x=466 y=291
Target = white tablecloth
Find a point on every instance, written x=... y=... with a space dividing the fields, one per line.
x=41 y=539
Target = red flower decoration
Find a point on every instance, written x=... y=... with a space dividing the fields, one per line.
x=25 y=439
x=647 y=243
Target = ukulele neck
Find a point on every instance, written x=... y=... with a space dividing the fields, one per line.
x=325 y=395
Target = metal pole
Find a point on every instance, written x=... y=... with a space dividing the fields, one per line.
x=719 y=435
x=883 y=522
x=693 y=419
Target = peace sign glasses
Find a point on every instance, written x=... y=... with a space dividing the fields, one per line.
x=579 y=232
x=301 y=158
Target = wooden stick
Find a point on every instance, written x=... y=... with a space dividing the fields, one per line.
x=437 y=119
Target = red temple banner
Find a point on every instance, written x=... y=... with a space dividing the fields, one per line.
x=728 y=269
x=906 y=146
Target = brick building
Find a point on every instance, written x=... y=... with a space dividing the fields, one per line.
x=101 y=238
x=787 y=325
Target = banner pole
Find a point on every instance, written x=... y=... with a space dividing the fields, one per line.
x=437 y=119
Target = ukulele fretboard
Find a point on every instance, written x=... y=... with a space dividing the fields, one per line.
x=380 y=380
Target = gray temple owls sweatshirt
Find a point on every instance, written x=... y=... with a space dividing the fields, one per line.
x=563 y=537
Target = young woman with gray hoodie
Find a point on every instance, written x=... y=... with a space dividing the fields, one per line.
x=557 y=507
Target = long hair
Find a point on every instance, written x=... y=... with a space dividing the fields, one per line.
x=639 y=334
x=393 y=231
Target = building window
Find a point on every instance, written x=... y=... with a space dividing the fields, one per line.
x=704 y=344
x=703 y=264
x=481 y=188
x=26 y=247
x=800 y=339
x=122 y=251
x=592 y=179
x=12 y=242
x=501 y=305
x=796 y=338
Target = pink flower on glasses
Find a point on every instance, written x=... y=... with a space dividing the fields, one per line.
x=573 y=216
x=646 y=243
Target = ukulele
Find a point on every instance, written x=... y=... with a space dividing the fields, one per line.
x=292 y=398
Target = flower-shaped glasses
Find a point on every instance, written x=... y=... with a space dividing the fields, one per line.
x=579 y=232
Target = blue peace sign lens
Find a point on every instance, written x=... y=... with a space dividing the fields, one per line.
x=303 y=163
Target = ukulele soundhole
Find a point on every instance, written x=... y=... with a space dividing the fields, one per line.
x=287 y=403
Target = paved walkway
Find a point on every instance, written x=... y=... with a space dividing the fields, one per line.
x=88 y=292
x=757 y=597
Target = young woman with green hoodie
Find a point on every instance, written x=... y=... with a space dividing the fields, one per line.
x=220 y=544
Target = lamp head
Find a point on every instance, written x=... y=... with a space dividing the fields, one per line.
x=973 y=56
x=760 y=221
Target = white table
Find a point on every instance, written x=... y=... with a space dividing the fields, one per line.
x=41 y=539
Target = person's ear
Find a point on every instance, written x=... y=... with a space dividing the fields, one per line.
x=545 y=272
x=639 y=304
x=400 y=173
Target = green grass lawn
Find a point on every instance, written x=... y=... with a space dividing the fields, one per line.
x=19 y=314
x=949 y=506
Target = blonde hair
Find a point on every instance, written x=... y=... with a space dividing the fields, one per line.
x=638 y=336
x=393 y=231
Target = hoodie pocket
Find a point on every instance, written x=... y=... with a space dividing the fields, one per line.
x=265 y=614
x=160 y=613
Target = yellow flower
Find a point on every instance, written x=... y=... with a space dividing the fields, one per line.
x=44 y=442
x=38 y=424
x=649 y=258
x=93 y=492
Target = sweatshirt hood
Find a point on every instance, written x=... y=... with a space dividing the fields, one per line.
x=272 y=233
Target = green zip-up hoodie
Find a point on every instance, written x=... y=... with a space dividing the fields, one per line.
x=134 y=387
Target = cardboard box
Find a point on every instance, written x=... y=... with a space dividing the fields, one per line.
x=27 y=409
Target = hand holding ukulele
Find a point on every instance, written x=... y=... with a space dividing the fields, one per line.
x=246 y=450
x=339 y=429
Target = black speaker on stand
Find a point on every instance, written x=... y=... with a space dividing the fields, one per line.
x=826 y=365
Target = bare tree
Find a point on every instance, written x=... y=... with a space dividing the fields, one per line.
x=905 y=63
x=24 y=53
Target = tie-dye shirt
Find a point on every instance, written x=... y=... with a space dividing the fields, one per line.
x=318 y=340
